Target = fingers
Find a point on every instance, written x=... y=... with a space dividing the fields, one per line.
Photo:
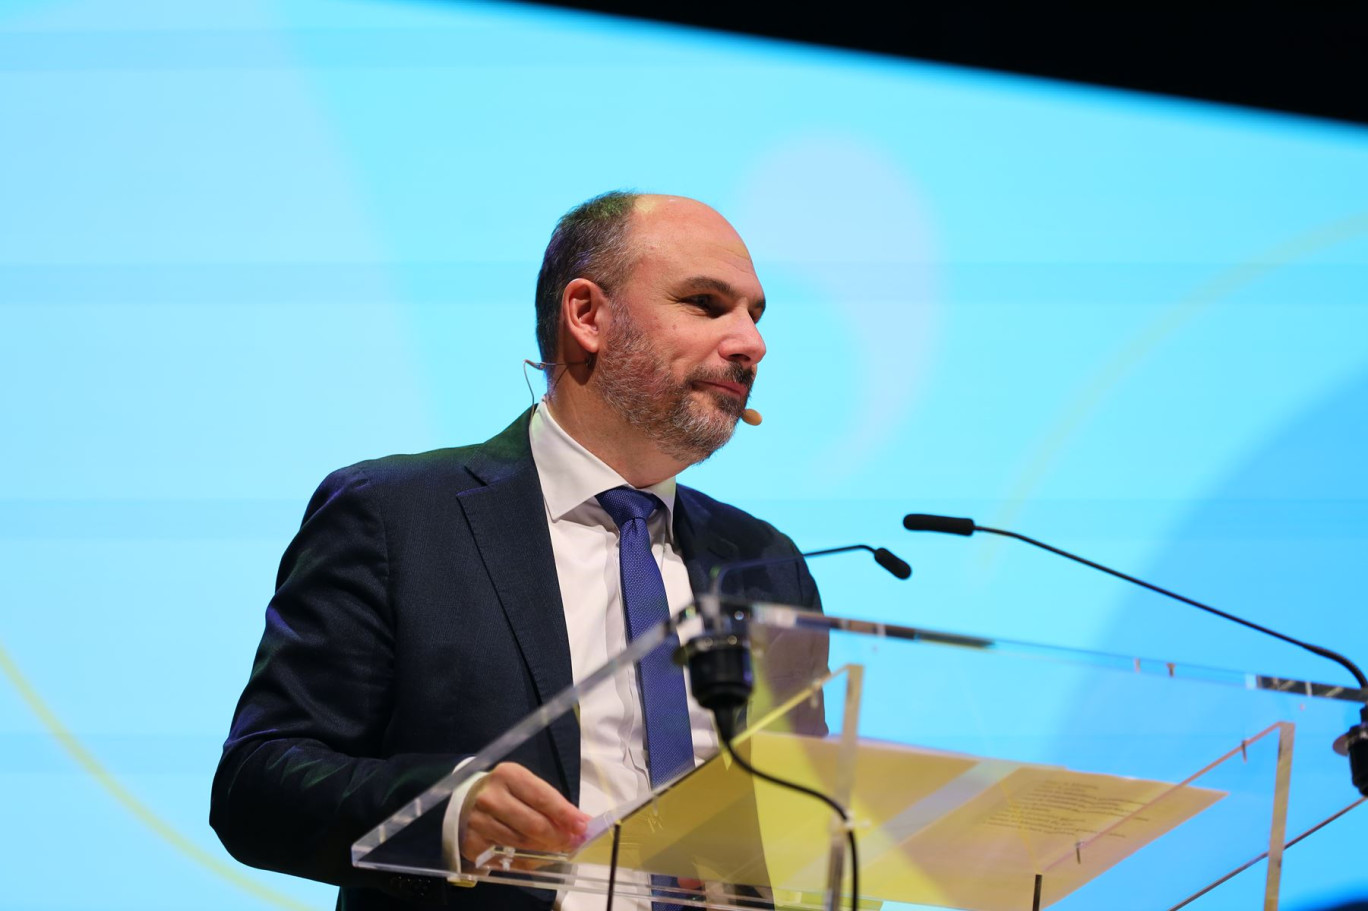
x=513 y=807
x=492 y=832
x=502 y=817
x=542 y=798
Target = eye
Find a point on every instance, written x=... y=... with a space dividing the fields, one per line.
x=705 y=302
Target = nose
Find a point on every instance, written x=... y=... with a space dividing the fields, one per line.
x=743 y=343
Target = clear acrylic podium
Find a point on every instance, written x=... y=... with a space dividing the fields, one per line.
x=979 y=774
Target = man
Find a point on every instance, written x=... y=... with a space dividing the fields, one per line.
x=429 y=602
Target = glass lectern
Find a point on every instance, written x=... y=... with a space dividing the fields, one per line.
x=978 y=774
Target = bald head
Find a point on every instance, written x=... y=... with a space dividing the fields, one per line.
x=658 y=224
x=601 y=240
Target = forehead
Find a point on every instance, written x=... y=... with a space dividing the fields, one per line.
x=673 y=237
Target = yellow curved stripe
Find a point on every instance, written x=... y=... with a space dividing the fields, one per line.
x=140 y=811
x=1093 y=393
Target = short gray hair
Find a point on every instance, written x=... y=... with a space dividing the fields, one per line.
x=590 y=241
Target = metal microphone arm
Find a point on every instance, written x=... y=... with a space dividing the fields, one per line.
x=719 y=659
x=1353 y=744
x=918 y=522
x=883 y=556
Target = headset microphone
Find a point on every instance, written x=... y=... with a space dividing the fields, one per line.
x=545 y=365
x=751 y=417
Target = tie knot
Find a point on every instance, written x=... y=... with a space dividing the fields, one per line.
x=623 y=504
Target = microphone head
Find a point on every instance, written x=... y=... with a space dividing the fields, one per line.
x=918 y=521
x=893 y=563
x=1358 y=762
x=1354 y=744
x=751 y=417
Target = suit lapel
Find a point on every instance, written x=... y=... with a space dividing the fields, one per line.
x=507 y=520
x=700 y=544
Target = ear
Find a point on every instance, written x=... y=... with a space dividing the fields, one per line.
x=582 y=319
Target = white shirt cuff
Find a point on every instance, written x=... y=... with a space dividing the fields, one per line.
x=454 y=821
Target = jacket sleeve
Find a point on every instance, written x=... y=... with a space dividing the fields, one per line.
x=303 y=774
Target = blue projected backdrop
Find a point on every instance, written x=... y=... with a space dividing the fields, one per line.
x=244 y=243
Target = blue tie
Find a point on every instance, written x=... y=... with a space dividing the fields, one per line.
x=669 y=742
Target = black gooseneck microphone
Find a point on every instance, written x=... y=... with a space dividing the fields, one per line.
x=719 y=659
x=1354 y=744
x=720 y=673
x=882 y=556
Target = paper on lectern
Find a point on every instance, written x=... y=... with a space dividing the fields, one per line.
x=934 y=828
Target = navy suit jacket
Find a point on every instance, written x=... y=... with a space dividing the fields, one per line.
x=417 y=616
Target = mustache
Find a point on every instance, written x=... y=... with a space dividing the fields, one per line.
x=732 y=373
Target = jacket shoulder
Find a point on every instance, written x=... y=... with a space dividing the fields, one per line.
x=444 y=466
x=443 y=471
x=440 y=471
x=410 y=476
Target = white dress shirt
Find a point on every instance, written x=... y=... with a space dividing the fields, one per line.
x=584 y=540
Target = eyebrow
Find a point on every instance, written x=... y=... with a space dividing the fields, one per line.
x=721 y=287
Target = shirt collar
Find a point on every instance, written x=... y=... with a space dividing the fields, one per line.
x=572 y=475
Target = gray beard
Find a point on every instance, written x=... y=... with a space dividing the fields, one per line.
x=635 y=383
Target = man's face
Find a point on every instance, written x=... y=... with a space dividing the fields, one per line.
x=681 y=347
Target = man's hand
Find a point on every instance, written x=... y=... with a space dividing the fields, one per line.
x=514 y=808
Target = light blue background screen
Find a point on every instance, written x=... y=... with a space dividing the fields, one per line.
x=245 y=243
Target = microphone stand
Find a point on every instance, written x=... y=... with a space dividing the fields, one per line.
x=1354 y=743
